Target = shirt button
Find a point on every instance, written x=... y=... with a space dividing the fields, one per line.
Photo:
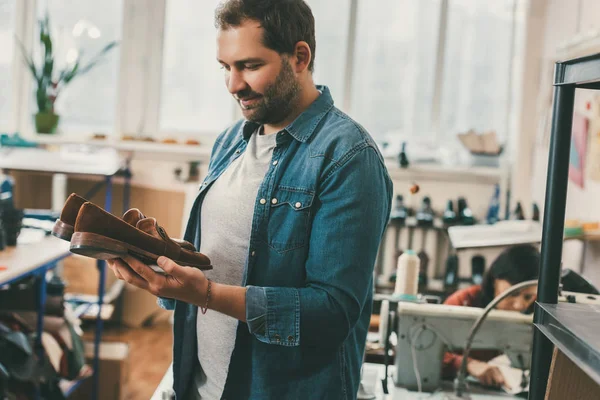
x=238 y=151
x=274 y=201
x=290 y=338
x=253 y=253
x=298 y=205
x=277 y=337
x=263 y=201
x=275 y=162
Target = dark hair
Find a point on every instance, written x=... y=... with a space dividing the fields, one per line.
x=286 y=22
x=515 y=265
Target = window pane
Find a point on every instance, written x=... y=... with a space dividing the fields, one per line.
x=7 y=26
x=194 y=97
x=394 y=66
x=331 y=26
x=477 y=64
x=88 y=102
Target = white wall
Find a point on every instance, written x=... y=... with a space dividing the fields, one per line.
x=564 y=20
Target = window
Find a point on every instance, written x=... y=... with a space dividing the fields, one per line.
x=331 y=25
x=477 y=66
x=394 y=66
x=417 y=69
x=193 y=97
x=7 y=41
x=89 y=102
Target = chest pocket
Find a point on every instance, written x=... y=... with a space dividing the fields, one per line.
x=289 y=218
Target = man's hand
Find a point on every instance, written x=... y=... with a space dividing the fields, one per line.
x=487 y=374
x=181 y=283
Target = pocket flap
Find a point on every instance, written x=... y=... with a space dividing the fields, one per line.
x=298 y=199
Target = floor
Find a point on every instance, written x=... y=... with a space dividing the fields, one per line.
x=149 y=356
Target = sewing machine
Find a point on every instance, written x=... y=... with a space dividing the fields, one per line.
x=427 y=331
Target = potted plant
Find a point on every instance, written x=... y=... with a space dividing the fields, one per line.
x=51 y=81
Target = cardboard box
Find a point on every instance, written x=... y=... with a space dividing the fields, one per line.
x=81 y=275
x=114 y=369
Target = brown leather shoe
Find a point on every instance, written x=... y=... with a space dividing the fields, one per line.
x=133 y=216
x=101 y=235
x=63 y=227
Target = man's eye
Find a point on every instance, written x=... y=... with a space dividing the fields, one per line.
x=226 y=68
x=252 y=67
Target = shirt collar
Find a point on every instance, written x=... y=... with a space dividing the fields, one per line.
x=303 y=127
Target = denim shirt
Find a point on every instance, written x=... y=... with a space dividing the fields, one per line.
x=318 y=220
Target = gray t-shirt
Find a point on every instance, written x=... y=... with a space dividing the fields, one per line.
x=226 y=223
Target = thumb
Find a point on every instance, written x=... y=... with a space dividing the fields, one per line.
x=170 y=267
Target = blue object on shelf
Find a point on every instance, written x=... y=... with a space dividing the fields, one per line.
x=15 y=140
x=493 y=214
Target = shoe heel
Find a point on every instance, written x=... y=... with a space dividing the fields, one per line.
x=96 y=246
x=62 y=231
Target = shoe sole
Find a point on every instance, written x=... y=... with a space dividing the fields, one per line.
x=62 y=231
x=104 y=248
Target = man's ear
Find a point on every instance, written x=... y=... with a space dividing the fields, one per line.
x=302 y=57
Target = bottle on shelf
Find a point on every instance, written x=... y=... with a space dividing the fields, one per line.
x=425 y=214
x=449 y=216
x=535 y=214
x=465 y=215
x=399 y=211
x=518 y=213
x=402 y=157
x=493 y=214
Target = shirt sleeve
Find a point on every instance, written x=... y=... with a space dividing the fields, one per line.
x=347 y=227
x=451 y=364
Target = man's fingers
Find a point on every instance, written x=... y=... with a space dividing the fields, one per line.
x=129 y=275
x=112 y=264
x=171 y=267
x=141 y=269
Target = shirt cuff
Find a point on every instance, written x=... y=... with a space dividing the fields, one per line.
x=256 y=309
x=167 y=304
x=273 y=314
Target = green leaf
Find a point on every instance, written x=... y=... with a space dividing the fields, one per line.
x=97 y=58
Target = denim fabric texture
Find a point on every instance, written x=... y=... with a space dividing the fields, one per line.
x=319 y=217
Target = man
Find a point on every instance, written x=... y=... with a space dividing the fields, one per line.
x=291 y=214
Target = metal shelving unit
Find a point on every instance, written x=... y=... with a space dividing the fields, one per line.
x=579 y=73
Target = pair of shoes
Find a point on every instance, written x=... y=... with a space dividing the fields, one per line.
x=98 y=234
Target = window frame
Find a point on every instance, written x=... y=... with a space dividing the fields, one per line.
x=140 y=69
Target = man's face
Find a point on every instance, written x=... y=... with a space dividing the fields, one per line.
x=262 y=81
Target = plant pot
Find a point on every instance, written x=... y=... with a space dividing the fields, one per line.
x=46 y=122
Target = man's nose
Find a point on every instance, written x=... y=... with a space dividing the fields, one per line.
x=235 y=82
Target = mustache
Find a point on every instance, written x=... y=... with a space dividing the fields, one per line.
x=246 y=94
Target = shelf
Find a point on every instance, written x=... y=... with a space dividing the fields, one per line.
x=439 y=172
x=141 y=149
x=573 y=328
x=581 y=72
x=589 y=237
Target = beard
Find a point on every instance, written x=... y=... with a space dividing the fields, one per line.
x=277 y=102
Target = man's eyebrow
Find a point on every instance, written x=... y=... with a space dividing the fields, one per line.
x=244 y=61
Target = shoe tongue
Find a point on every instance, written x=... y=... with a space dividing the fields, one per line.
x=133 y=216
x=150 y=226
